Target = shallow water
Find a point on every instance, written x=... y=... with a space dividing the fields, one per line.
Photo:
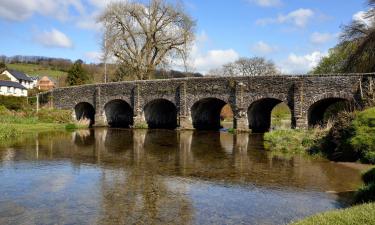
x=109 y=176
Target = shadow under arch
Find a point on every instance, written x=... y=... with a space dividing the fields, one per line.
x=119 y=113
x=161 y=114
x=317 y=111
x=259 y=114
x=206 y=113
x=85 y=110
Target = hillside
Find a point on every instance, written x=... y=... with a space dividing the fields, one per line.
x=37 y=70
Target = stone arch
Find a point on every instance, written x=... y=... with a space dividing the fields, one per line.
x=206 y=113
x=161 y=114
x=119 y=113
x=259 y=113
x=85 y=110
x=317 y=109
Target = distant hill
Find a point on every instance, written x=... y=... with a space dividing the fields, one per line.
x=37 y=70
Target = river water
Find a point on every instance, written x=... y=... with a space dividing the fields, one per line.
x=110 y=176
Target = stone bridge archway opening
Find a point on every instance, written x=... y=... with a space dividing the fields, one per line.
x=85 y=111
x=324 y=110
x=119 y=114
x=161 y=114
x=208 y=113
x=268 y=113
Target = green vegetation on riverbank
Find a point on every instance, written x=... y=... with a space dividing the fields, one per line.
x=13 y=124
x=358 y=215
x=351 y=138
x=367 y=192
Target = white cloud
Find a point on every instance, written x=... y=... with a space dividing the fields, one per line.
x=299 y=18
x=262 y=48
x=267 y=3
x=53 y=39
x=212 y=59
x=300 y=64
x=361 y=17
x=20 y=10
x=322 y=38
x=93 y=57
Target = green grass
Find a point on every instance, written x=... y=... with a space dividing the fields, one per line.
x=34 y=69
x=358 y=215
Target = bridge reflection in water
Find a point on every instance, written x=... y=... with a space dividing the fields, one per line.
x=119 y=176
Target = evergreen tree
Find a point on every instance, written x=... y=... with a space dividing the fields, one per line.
x=77 y=75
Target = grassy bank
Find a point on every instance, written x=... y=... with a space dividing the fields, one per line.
x=13 y=124
x=358 y=215
x=350 y=138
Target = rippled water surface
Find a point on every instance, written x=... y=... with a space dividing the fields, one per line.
x=108 y=176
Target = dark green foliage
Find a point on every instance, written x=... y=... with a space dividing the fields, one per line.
x=336 y=145
x=335 y=61
x=363 y=140
x=369 y=176
x=365 y=194
x=351 y=138
x=77 y=75
x=13 y=103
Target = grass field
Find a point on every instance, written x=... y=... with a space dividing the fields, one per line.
x=37 y=70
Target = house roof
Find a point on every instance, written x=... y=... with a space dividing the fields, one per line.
x=19 y=75
x=11 y=84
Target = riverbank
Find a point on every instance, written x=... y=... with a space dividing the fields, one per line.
x=350 y=138
x=358 y=215
x=13 y=124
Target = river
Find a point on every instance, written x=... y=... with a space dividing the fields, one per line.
x=113 y=176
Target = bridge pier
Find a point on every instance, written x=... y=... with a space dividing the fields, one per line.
x=100 y=120
x=185 y=123
x=140 y=121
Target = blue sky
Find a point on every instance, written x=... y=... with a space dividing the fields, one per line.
x=295 y=34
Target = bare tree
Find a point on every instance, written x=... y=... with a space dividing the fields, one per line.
x=145 y=36
x=256 y=66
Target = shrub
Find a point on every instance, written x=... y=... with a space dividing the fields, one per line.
x=336 y=144
x=369 y=176
x=365 y=194
x=13 y=103
x=363 y=140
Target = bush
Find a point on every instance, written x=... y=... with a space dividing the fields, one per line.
x=13 y=103
x=363 y=140
x=365 y=194
x=369 y=176
x=336 y=145
x=292 y=141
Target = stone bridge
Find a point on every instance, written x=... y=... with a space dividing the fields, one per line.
x=196 y=103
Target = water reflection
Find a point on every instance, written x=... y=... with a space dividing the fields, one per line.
x=114 y=176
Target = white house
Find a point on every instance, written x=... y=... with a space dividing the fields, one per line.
x=10 y=88
x=19 y=77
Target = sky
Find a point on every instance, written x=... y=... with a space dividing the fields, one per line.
x=294 y=34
